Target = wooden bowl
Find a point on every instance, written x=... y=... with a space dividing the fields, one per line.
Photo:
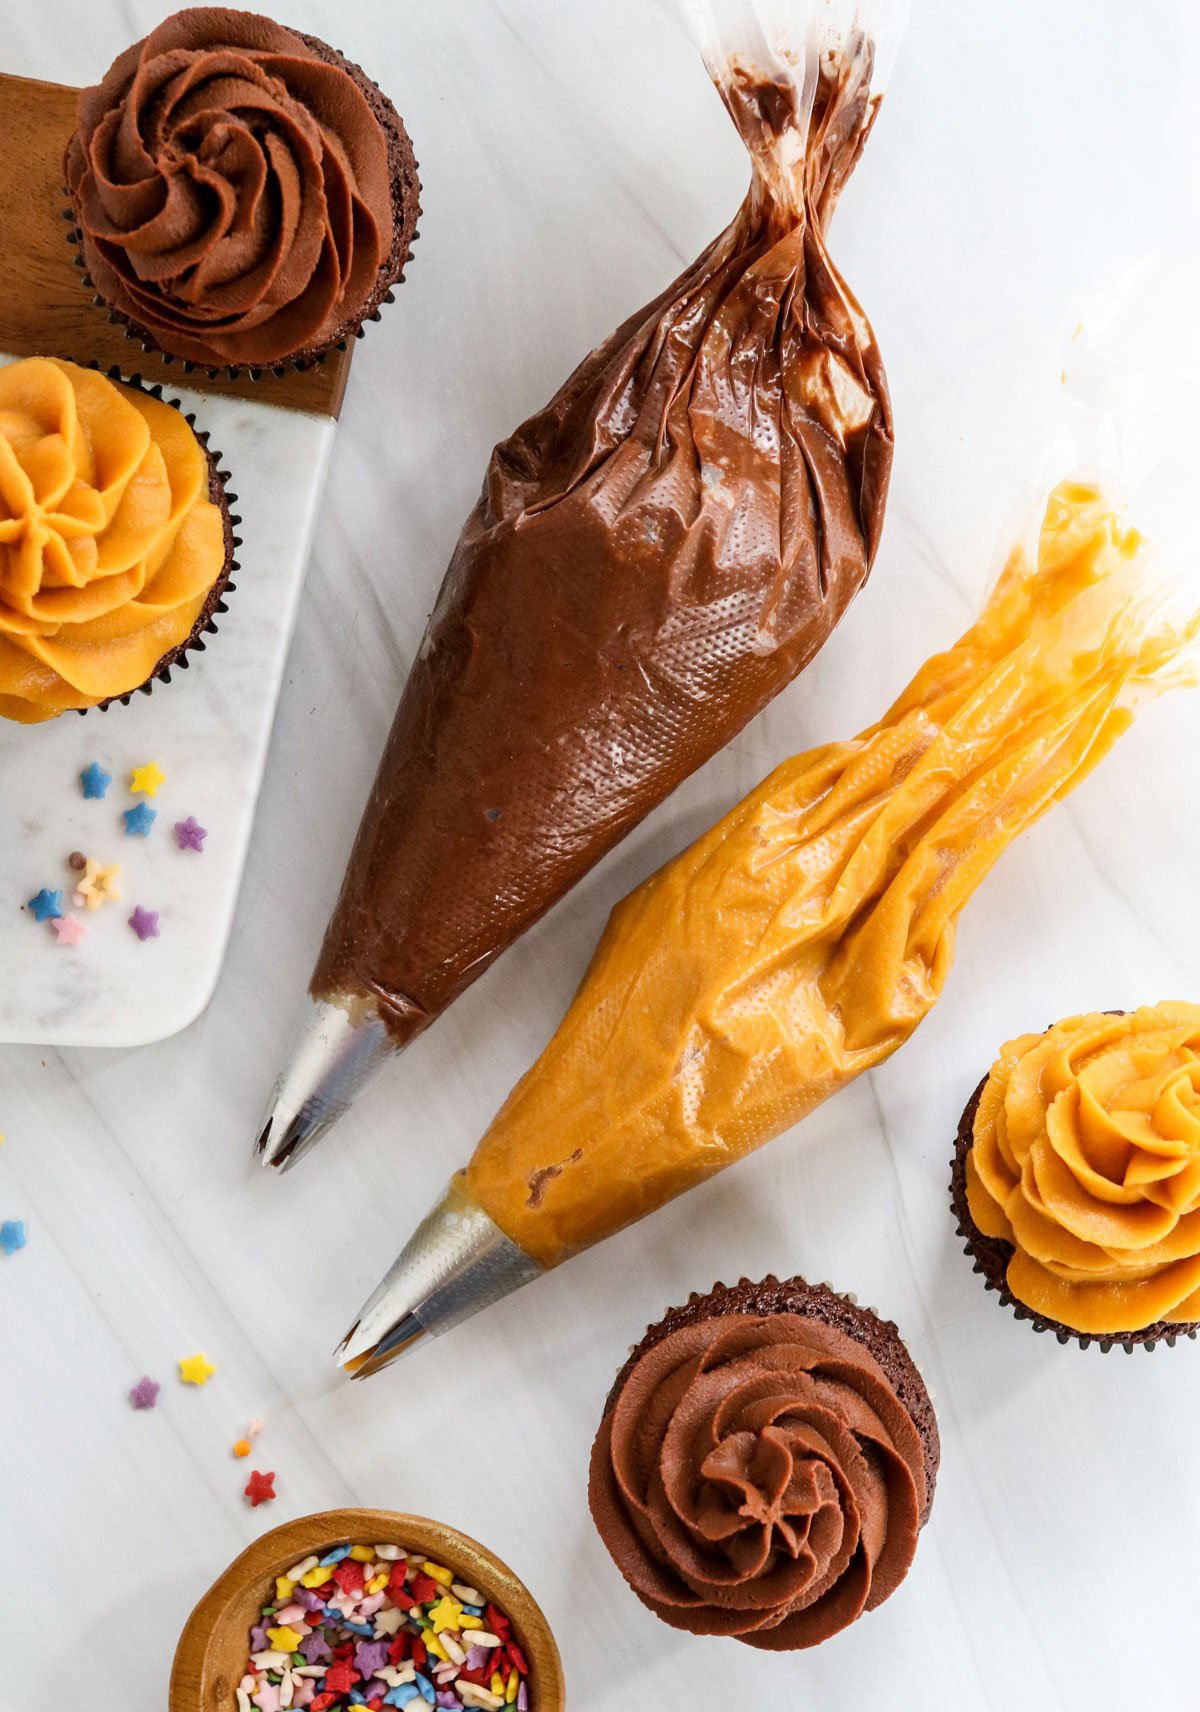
x=210 y=1659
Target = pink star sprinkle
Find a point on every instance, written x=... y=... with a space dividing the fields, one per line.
x=70 y=930
x=189 y=834
x=144 y=923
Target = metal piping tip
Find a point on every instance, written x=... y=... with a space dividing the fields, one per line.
x=332 y=1059
x=456 y=1262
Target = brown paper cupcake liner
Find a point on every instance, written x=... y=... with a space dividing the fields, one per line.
x=219 y=492
x=879 y=1336
x=391 y=274
x=990 y=1257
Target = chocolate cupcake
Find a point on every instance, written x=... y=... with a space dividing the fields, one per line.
x=766 y=1461
x=116 y=539
x=245 y=196
x=1076 y=1177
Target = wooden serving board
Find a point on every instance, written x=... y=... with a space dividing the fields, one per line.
x=210 y=727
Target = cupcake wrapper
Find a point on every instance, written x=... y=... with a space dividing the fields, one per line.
x=991 y=1264
x=206 y=625
x=355 y=328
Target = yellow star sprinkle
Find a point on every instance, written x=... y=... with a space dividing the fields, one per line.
x=97 y=886
x=445 y=1614
x=196 y=1370
x=285 y=1639
x=146 y=780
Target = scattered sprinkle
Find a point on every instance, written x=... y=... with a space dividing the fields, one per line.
x=364 y=1626
x=12 y=1235
x=70 y=929
x=138 y=820
x=260 y=1488
x=144 y=923
x=196 y=1370
x=98 y=885
x=144 y=781
x=255 y=1427
x=145 y=1393
x=189 y=834
x=95 y=780
x=242 y=1448
x=46 y=906
x=77 y=861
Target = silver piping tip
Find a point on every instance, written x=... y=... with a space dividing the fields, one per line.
x=456 y=1262
x=332 y=1058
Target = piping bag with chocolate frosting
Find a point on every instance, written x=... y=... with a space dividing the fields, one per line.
x=653 y=557
x=802 y=939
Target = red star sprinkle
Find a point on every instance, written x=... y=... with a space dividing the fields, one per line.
x=349 y=1575
x=260 y=1488
x=340 y=1679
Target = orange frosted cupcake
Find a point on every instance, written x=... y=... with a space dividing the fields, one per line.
x=116 y=541
x=1076 y=1177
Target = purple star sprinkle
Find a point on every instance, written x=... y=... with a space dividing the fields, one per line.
x=189 y=834
x=145 y=1393
x=306 y=1597
x=475 y=1657
x=314 y=1646
x=258 y=1639
x=376 y=1686
x=370 y=1656
x=144 y=923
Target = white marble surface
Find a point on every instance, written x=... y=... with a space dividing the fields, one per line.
x=573 y=157
x=208 y=731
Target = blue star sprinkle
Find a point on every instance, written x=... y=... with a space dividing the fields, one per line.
x=95 y=780
x=139 y=820
x=47 y=906
x=12 y=1235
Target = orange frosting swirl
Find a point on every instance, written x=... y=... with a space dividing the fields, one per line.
x=234 y=189
x=759 y=1477
x=110 y=545
x=1085 y=1157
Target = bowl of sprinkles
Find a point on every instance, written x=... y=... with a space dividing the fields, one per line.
x=367 y=1608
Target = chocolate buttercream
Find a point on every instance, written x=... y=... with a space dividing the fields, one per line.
x=654 y=556
x=245 y=194
x=765 y=1463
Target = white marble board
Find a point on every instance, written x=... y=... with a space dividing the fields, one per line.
x=208 y=731
x=573 y=158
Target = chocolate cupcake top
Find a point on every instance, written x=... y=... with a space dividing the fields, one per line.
x=1085 y=1159
x=113 y=535
x=760 y=1474
x=240 y=189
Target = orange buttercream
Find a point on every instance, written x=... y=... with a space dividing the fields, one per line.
x=803 y=938
x=109 y=542
x=1085 y=1156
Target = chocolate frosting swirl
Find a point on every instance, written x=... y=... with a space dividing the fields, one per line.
x=233 y=186
x=758 y=1476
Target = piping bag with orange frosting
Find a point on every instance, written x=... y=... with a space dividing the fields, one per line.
x=802 y=939
x=654 y=556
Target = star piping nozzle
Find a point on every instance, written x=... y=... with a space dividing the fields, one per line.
x=457 y=1262
x=333 y=1057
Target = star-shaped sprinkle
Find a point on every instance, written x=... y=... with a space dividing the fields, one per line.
x=315 y=1647
x=70 y=929
x=260 y=1488
x=266 y=1696
x=12 y=1235
x=144 y=923
x=95 y=780
x=144 y=781
x=196 y=1370
x=139 y=820
x=189 y=834
x=145 y=1393
x=98 y=885
x=46 y=906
